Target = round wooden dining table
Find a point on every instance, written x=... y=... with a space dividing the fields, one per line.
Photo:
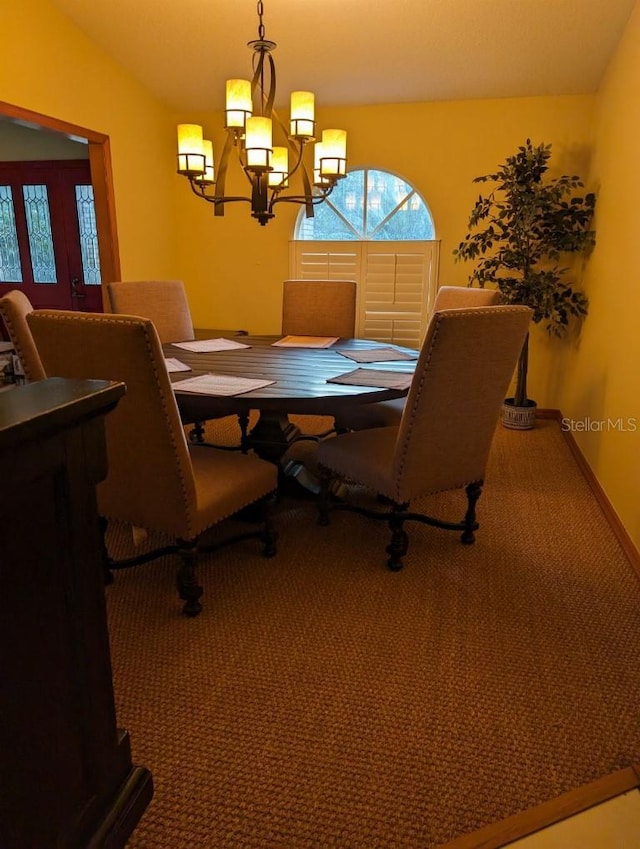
x=300 y=385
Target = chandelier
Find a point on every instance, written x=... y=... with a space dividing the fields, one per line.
x=250 y=122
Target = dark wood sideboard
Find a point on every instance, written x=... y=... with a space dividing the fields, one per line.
x=66 y=776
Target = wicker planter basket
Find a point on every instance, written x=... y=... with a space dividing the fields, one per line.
x=518 y=418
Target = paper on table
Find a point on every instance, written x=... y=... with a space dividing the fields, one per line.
x=175 y=365
x=219 y=384
x=306 y=341
x=374 y=377
x=204 y=346
x=378 y=355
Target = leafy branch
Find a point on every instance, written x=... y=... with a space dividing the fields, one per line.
x=518 y=235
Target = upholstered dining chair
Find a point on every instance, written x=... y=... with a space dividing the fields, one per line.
x=165 y=302
x=464 y=297
x=386 y=413
x=319 y=308
x=156 y=480
x=443 y=439
x=14 y=308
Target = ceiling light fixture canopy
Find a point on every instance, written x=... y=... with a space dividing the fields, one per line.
x=250 y=121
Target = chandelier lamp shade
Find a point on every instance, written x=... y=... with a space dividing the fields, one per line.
x=252 y=124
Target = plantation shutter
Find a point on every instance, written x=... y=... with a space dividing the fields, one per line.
x=396 y=283
x=325 y=260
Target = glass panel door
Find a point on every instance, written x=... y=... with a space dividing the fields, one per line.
x=48 y=234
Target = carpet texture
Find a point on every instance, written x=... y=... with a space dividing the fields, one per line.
x=320 y=700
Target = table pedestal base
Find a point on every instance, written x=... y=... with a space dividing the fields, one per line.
x=272 y=435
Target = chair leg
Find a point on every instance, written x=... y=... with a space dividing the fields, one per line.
x=269 y=535
x=188 y=588
x=196 y=434
x=399 y=544
x=324 y=498
x=243 y=421
x=474 y=491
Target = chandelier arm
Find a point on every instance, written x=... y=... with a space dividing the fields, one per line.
x=308 y=192
x=229 y=199
x=200 y=191
x=314 y=200
x=272 y=85
x=222 y=172
x=242 y=159
x=249 y=175
x=257 y=76
x=295 y=145
x=266 y=103
x=298 y=149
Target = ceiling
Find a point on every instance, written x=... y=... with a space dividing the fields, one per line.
x=351 y=51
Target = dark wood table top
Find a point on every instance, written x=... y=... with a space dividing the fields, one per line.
x=300 y=376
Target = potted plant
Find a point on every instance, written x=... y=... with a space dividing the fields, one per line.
x=518 y=234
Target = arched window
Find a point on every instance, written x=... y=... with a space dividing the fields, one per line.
x=376 y=229
x=369 y=205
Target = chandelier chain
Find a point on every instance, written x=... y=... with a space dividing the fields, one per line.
x=260 y=23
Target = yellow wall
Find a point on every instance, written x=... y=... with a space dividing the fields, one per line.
x=601 y=380
x=50 y=67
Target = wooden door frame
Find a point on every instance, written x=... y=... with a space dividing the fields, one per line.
x=101 y=180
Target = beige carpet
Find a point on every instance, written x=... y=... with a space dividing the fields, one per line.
x=320 y=700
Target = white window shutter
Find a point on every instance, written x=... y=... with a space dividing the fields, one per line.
x=396 y=291
x=325 y=260
x=396 y=283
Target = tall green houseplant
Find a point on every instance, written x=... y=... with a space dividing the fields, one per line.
x=518 y=234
